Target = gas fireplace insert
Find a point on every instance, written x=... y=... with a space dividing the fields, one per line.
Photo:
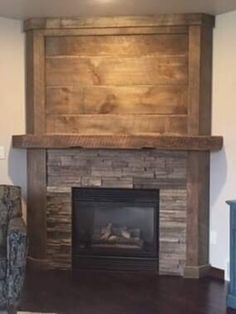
x=115 y=229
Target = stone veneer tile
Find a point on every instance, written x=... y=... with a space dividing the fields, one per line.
x=164 y=170
x=173 y=224
x=117 y=182
x=91 y=181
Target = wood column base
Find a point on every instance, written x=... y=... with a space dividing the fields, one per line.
x=37 y=264
x=196 y=272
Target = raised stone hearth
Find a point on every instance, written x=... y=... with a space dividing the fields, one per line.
x=118 y=169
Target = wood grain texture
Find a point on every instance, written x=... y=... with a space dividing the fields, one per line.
x=116 y=124
x=121 y=21
x=194 y=80
x=196 y=143
x=198 y=209
x=116 y=71
x=36 y=204
x=30 y=127
x=120 y=63
x=200 y=73
x=117 y=31
x=118 y=46
x=117 y=100
x=35 y=90
x=206 y=81
x=197 y=272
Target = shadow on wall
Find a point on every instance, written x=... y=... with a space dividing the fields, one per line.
x=218 y=175
x=17 y=172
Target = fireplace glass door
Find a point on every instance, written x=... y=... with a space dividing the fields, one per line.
x=113 y=227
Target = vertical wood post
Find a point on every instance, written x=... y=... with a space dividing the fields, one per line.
x=35 y=111
x=197 y=215
x=199 y=123
x=200 y=80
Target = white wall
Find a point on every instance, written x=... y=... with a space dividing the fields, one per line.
x=223 y=164
x=12 y=108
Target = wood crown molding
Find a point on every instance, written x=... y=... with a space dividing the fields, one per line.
x=120 y=21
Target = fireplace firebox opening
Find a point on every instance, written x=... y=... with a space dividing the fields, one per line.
x=115 y=229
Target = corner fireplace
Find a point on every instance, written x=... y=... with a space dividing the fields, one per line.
x=119 y=103
x=115 y=229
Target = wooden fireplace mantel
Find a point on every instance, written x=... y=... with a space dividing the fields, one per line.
x=162 y=142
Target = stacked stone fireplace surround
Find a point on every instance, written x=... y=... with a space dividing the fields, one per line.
x=146 y=169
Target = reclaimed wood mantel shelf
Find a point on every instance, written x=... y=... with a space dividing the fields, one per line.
x=163 y=142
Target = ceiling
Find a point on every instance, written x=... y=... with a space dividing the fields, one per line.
x=52 y=8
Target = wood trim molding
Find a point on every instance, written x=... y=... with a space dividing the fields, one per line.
x=216 y=273
x=187 y=143
x=203 y=271
x=200 y=80
x=120 y=21
x=35 y=264
x=194 y=80
x=35 y=80
x=36 y=205
x=117 y=31
x=198 y=169
x=196 y=272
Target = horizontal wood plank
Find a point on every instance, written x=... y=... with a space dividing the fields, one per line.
x=116 y=31
x=187 y=143
x=116 y=46
x=116 y=124
x=116 y=71
x=120 y=21
x=118 y=99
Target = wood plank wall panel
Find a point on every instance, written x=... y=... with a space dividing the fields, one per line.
x=162 y=20
x=127 y=78
x=116 y=31
x=139 y=99
x=118 y=46
x=89 y=71
x=117 y=124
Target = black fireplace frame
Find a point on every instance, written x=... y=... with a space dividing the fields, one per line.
x=82 y=259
